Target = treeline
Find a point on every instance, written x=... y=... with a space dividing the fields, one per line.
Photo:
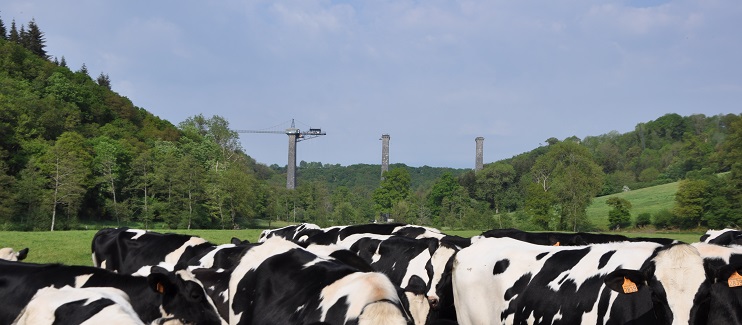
x=73 y=151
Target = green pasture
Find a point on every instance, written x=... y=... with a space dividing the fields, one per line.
x=73 y=247
x=649 y=200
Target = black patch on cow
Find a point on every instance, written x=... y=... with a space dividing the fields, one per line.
x=604 y=259
x=76 y=312
x=541 y=255
x=518 y=286
x=500 y=267
x=336 y=313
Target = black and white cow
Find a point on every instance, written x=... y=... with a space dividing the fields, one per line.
x=161 y=294
x=279 y=282
x=568 y=239
x=310 y=233
x=503 y=280
x=134 y=251
x=10 y=254
x=724 y=268
x=68 y=305
x=722 y=237
x=291 y=232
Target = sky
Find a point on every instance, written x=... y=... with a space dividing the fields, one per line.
x=432 y=74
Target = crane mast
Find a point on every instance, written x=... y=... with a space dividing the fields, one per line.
x=295 y=135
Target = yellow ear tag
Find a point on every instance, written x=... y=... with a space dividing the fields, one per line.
x=735 y=280
x=160 y=288
x=629 y=286
x=557 y=244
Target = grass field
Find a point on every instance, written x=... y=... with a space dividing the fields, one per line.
x=73 y=247
x=650 y=199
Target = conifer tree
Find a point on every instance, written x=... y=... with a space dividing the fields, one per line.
x=63 y=62
x=35 y=39
x=84 y=69
x=23 y=36
x=13 y=36
x=104 y=80
x=3 y=31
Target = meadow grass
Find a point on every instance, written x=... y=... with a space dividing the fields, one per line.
x=646 y=200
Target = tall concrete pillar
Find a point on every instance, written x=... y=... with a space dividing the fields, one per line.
x=384 y=153
x=479 y=162
x=291 y=166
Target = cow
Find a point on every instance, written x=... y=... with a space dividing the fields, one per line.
x=723 y=265
x=310 y=233
x=161 y=294
x=68 y=305
x=722 y=237
x=10 y=254
x=568 y=239
x=280 y=282
x=134 y=251
x=503 y=280
x=289 y=232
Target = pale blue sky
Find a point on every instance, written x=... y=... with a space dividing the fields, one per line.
x=433 y=74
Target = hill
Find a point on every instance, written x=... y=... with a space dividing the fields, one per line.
x=646 y=200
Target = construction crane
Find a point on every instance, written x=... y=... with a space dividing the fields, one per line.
x=295 y=135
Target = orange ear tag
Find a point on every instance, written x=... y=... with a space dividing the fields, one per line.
x=735 y=280
x=160 y=288
x=629 y=286
x=557 y=244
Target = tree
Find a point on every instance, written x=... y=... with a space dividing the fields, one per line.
x=143 y=174
x=394 y=187
x=620 y=215
x=690 y=200
x=34 y=40
x=66 y=166
x=107 y=164
x=493 y=183
x=444 y=187
x=3 y=30
x=13 y=36
x=575 y=180
x=104 y=80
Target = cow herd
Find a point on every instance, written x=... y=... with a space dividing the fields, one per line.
x=381 y=274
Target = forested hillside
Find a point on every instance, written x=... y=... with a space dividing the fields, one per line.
x=72 y=152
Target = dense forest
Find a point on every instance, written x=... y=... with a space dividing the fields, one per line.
x=74 y=152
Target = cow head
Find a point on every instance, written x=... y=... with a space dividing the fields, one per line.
x=11 y=255
x=183 y=297
x=673 y=284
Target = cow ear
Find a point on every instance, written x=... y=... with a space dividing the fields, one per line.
x=21 y=255
x=625 y=281
x=237 y=241
x=730 y=274
x=160 y=282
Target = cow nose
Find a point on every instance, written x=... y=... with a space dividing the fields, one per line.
x=433 y=301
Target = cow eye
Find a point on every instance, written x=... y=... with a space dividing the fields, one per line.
x=196 y=294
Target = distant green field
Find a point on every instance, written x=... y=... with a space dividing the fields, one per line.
x=650 y=199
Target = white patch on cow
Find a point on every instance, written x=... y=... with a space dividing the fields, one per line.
x=41 y=308
x=360 y=289
x=137 y=233
x=313 y=262
x=172 y=258
x=680 y=270
x=428 y=233
x=440 y=258
x=80 y=280
x=417 y=267
x=298 y=310
x=713 y=234
x=419 y=307
x=207 y=261
x=103 y=264
x=377 y=256
x=723 y=253
x=347 y=242
x=250 y=261
x=8 y=254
